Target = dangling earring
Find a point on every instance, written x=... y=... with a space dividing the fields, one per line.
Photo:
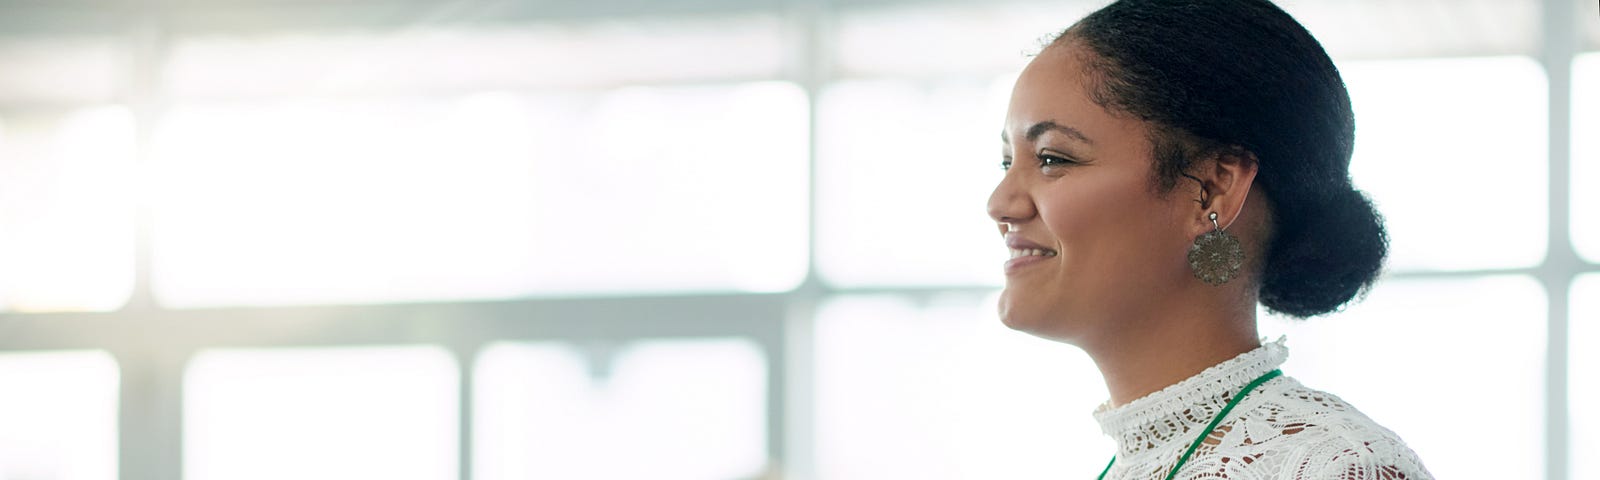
x=1216 y=255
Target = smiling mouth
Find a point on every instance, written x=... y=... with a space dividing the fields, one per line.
x=1032 y=252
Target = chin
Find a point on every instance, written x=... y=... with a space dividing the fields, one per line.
x=1019 y=317
x=1011 y=320
x=1034 y=320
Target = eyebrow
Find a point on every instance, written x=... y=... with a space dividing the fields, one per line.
x=1038 y=129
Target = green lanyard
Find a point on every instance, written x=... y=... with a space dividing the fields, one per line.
x=1252 y=386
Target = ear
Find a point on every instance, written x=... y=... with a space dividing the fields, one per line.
x=1225 y=178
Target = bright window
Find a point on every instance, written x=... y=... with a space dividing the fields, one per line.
x=943 y=390
x=58 y=416
x=1586 y=156
x=1583 y=377
x=679 y=409
x=1417 y=355
x=1390 y=29
x=1460 y=176
x=484 y=196
x=447 y=57
x=905 y=172
x=321 y=413
x=66 y=209
x=947 y=39
x=62 y=69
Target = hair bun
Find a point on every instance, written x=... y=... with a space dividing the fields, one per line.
x=1323 y=255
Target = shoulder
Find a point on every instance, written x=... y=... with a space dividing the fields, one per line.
x=1319 y=436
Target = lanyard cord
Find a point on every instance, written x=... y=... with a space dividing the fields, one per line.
x=1214 y=422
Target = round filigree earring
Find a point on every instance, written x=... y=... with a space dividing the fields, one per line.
x=1216 y=255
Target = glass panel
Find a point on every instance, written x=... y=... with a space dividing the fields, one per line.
x=1351 y=29
x=1419 y=356
x=333 y=413
x=937 y=40
x=691 y=409
x=83 y=70
x=1583 y=377
x=942 y=40
x=66 y=209
x=1453 y=204
x=431 y=58
x=58 y=416
x=1586 y=156
x=486 y=196
x=905 y=170
x=943 y=390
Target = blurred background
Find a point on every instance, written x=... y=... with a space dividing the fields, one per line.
x=702 y=240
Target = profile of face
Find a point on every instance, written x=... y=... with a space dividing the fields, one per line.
x=1093 y=240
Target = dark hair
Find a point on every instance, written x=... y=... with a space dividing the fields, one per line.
x=1244 y=74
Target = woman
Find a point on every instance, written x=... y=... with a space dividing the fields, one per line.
x=1170 y=164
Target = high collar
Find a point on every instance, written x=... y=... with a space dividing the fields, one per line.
x=1177 y=413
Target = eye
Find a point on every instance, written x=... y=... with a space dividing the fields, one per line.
x=1049 y=160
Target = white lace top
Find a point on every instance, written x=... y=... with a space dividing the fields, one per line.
x=1281 y=430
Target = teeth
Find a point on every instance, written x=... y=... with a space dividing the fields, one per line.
x=1033 y=252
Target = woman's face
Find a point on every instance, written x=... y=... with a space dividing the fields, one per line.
x=1094 y=246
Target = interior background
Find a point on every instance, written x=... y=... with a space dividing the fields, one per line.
x=702 y=239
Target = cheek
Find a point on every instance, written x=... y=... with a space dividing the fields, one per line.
x=1111 y=228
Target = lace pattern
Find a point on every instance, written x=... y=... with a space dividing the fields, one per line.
x=1281 y=430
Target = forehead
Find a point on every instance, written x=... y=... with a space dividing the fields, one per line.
x=1054 y=87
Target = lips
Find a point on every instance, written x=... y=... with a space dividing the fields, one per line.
x=1021 y=246
x=1024 y=252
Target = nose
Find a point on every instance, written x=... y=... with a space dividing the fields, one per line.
x=1010 y=203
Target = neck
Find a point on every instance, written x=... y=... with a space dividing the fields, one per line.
x=1169 y=349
